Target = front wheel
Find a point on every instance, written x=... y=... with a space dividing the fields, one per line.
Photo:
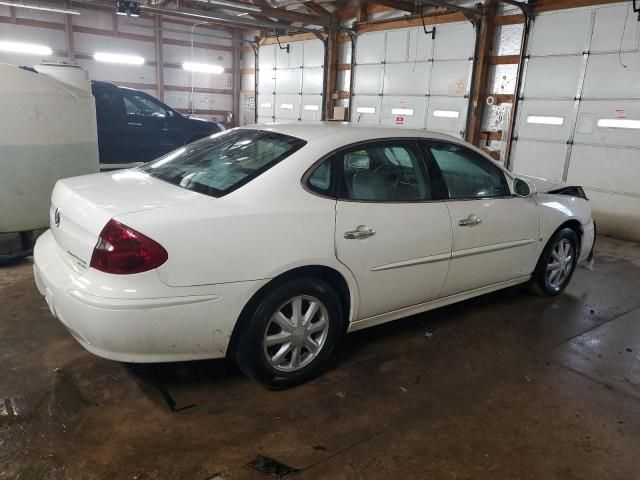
x=292 y=334
x=557 y=263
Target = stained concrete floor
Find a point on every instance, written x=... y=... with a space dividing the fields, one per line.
x=503 y=386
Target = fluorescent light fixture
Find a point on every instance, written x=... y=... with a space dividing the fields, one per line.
x=286 y=106
x=407 y=112
x=118 y=58
x=202 y=67
x=233 y=5
x=446 y=113
x=41 y=8
x=545 y=120
x=28 y=48
x=619 y=123
x=311 y=108
x=265 y=105
x=366 y=110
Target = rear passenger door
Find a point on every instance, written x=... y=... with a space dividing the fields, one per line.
x=495 y=233
x=391 y=231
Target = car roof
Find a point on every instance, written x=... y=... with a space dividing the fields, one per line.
x=350 y=131
x=111 y=86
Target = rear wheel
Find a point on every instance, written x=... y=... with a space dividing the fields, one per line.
x=292 y=333
x=557 y=263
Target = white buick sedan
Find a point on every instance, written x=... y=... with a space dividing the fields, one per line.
x=267 y=244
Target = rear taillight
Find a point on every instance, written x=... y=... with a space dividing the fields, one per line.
x=121 y=250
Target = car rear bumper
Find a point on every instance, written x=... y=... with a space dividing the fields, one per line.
x=196 y=323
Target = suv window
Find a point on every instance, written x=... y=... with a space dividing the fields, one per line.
x=141 y=105
x=467 y=174
x=217 y=165
x=388 y=171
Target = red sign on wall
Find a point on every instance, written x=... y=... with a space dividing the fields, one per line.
x=399 y=120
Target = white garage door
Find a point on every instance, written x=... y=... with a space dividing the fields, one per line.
x=579 y=120
x=290 y=82
x=404 y=78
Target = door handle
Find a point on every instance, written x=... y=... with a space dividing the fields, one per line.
x=134 y=124
x=362 y=231
x=470 y=221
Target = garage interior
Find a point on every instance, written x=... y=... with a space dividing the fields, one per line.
x=506 y=385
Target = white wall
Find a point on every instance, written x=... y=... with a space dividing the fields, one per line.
x=94 y=30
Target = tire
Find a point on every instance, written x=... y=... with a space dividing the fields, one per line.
x=276 y=349
x=548 y=281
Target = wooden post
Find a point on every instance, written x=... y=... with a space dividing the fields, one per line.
x=479 y=87
x=331 y=54
x=68 y=31
x=237 y=52
x=159 y=57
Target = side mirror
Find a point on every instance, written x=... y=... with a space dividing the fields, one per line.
x=522 y=188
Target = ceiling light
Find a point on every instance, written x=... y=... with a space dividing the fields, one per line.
x=265 y=105
x=311 y=108
x=202 y=67
x=234 y=6
x=286 y=106
x=619 y=123
x=365 y=110
x=38 y=7
x=28 y=48
x=118 y=58
x=545 y=120
x=446 y=113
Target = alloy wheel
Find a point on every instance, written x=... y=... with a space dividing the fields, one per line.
x=560 y=263
x=296 y=333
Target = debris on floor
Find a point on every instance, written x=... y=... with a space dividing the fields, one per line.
x=271 y=467
x=341 y=395
x=528 y=378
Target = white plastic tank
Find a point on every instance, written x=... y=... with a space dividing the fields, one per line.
x=47 y=132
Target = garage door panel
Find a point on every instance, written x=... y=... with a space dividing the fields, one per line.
x=454 y=41
x=612 y=19
x=311 y=108
x=612 y=169
x=312 y=79
x=287 y=107
x=420 y=45
x=606 y=78
x=289 y=80
x=538 y=119
x=370 y=48
x=267 y=57
x=560 y=33
x=265 y=108
x=403 y=111
x=368 y=79
x=616 y=215
x=397 y=46
x=539 y=159
x=609 y=114
x=407 y=78
x=441 y=116
x=366 y=110
x=266 y=80
x=553 y=77
x=450 y=78
x=291 y=58
x=313 y=54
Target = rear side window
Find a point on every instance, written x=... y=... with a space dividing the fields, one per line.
x=224 y=162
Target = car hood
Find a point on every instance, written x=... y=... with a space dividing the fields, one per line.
x=542 y=184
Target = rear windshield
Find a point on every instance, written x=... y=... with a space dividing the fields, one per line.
x=224 y=162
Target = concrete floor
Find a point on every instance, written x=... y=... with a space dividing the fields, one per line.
x=506 y=386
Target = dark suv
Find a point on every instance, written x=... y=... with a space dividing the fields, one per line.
x=133 y=126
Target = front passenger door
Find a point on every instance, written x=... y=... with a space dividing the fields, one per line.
x=495 y=233
x=390 y=232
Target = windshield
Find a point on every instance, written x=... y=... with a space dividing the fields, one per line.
x=224 y=162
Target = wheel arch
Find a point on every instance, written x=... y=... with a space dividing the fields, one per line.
x=344 y=286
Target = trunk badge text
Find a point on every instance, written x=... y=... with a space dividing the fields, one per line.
x=56 y=217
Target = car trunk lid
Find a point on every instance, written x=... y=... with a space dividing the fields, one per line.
x=82 y=206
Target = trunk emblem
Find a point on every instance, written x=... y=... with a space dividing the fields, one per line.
x=56 y=217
